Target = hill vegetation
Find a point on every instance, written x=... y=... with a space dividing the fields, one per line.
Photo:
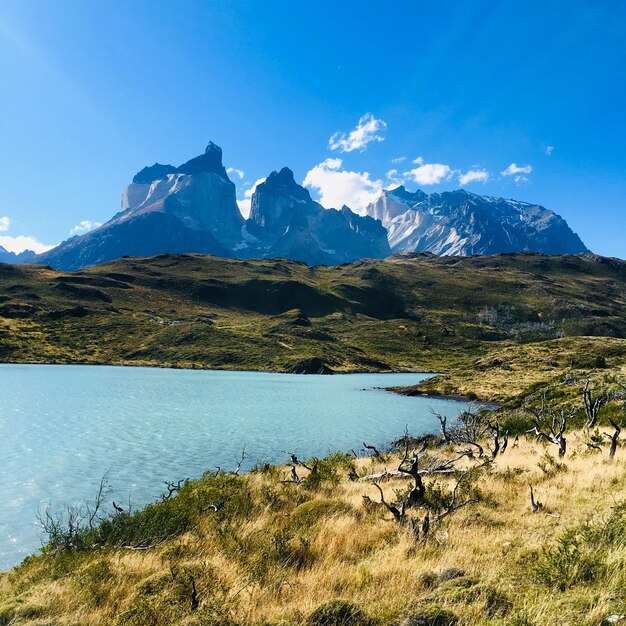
x=461 y=316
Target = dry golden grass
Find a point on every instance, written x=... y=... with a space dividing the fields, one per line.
x=509 y=371
x=342 y=550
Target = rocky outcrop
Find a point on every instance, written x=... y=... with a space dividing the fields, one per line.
x=191 y=208
x=286 y=222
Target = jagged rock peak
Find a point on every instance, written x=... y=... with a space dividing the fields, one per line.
x=213 y=147
x=282 y=182
x=153 y=172
x=210 y=161
x=463 y=223
x=282 y=178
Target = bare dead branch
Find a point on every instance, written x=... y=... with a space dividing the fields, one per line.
x=453 y=504
x=550 y=424
x=172 y=488
x=294 y=478
x=377 y=455
x=505 y=442
x=535 y=505
x=242 y=458
x=195 y=602
x=614 y=438
x=443 y=422
x=398 y=513
x=495 y=430
x=592 y=405
x=296 y=461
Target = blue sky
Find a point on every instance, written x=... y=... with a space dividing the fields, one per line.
x=524 y=100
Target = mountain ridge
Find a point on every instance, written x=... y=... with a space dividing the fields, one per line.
x=462 y=223
x=193 y=208
x=16 y=257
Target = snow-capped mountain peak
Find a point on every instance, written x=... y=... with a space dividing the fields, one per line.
x=462 y=223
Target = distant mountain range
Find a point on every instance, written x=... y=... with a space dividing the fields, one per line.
x=193 y=208
x=459 y=223
x=12 y=257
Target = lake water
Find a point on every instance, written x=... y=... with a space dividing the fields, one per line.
x=63 y=427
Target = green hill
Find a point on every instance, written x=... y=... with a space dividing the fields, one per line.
x=416 y=312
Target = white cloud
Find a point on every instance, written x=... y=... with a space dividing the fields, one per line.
x=245 y=204
x=473 y=176
x=23 y=242
x=418 y=161
x=514 y=169
x=5 y=222
x=398 y=159
x=430 y=173
x=84 y=226
x=236 y=172
x=549 y=150
x=520 y=179
x=394 y=179
x=244 y=207
x=337 y=187
x=367 y=130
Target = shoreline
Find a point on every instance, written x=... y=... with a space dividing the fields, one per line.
x=44 y=370
x=217 y=368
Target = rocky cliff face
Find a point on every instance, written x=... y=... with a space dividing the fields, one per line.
x=190 y=208
x=193 y=208
x=285 y=221
x=463 y=224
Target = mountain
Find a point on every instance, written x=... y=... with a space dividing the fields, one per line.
x=193 y=208
x=459 y=223
x=286 y=222
x=12 y=257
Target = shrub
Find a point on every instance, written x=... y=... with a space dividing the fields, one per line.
x=550 y=466
x=281 y=549
x=582 y=554
x=515 y=424
x=73 y=530
x=153 y=524
x=430 y=615
x=308 y=513
x=329 y=470
x=7 y=613
x=337 y=613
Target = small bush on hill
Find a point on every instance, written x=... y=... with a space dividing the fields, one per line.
x=583 y=554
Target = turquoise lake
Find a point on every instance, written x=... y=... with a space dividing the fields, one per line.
x=63 y=427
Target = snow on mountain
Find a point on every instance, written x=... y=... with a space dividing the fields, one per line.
x=459 y=223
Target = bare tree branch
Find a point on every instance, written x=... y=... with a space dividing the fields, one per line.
x=550 y=424
x=614 y=438
x=592 y=405
x=377 y=455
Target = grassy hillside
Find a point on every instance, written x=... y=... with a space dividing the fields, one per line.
x=418 y=312
x=260 y=551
